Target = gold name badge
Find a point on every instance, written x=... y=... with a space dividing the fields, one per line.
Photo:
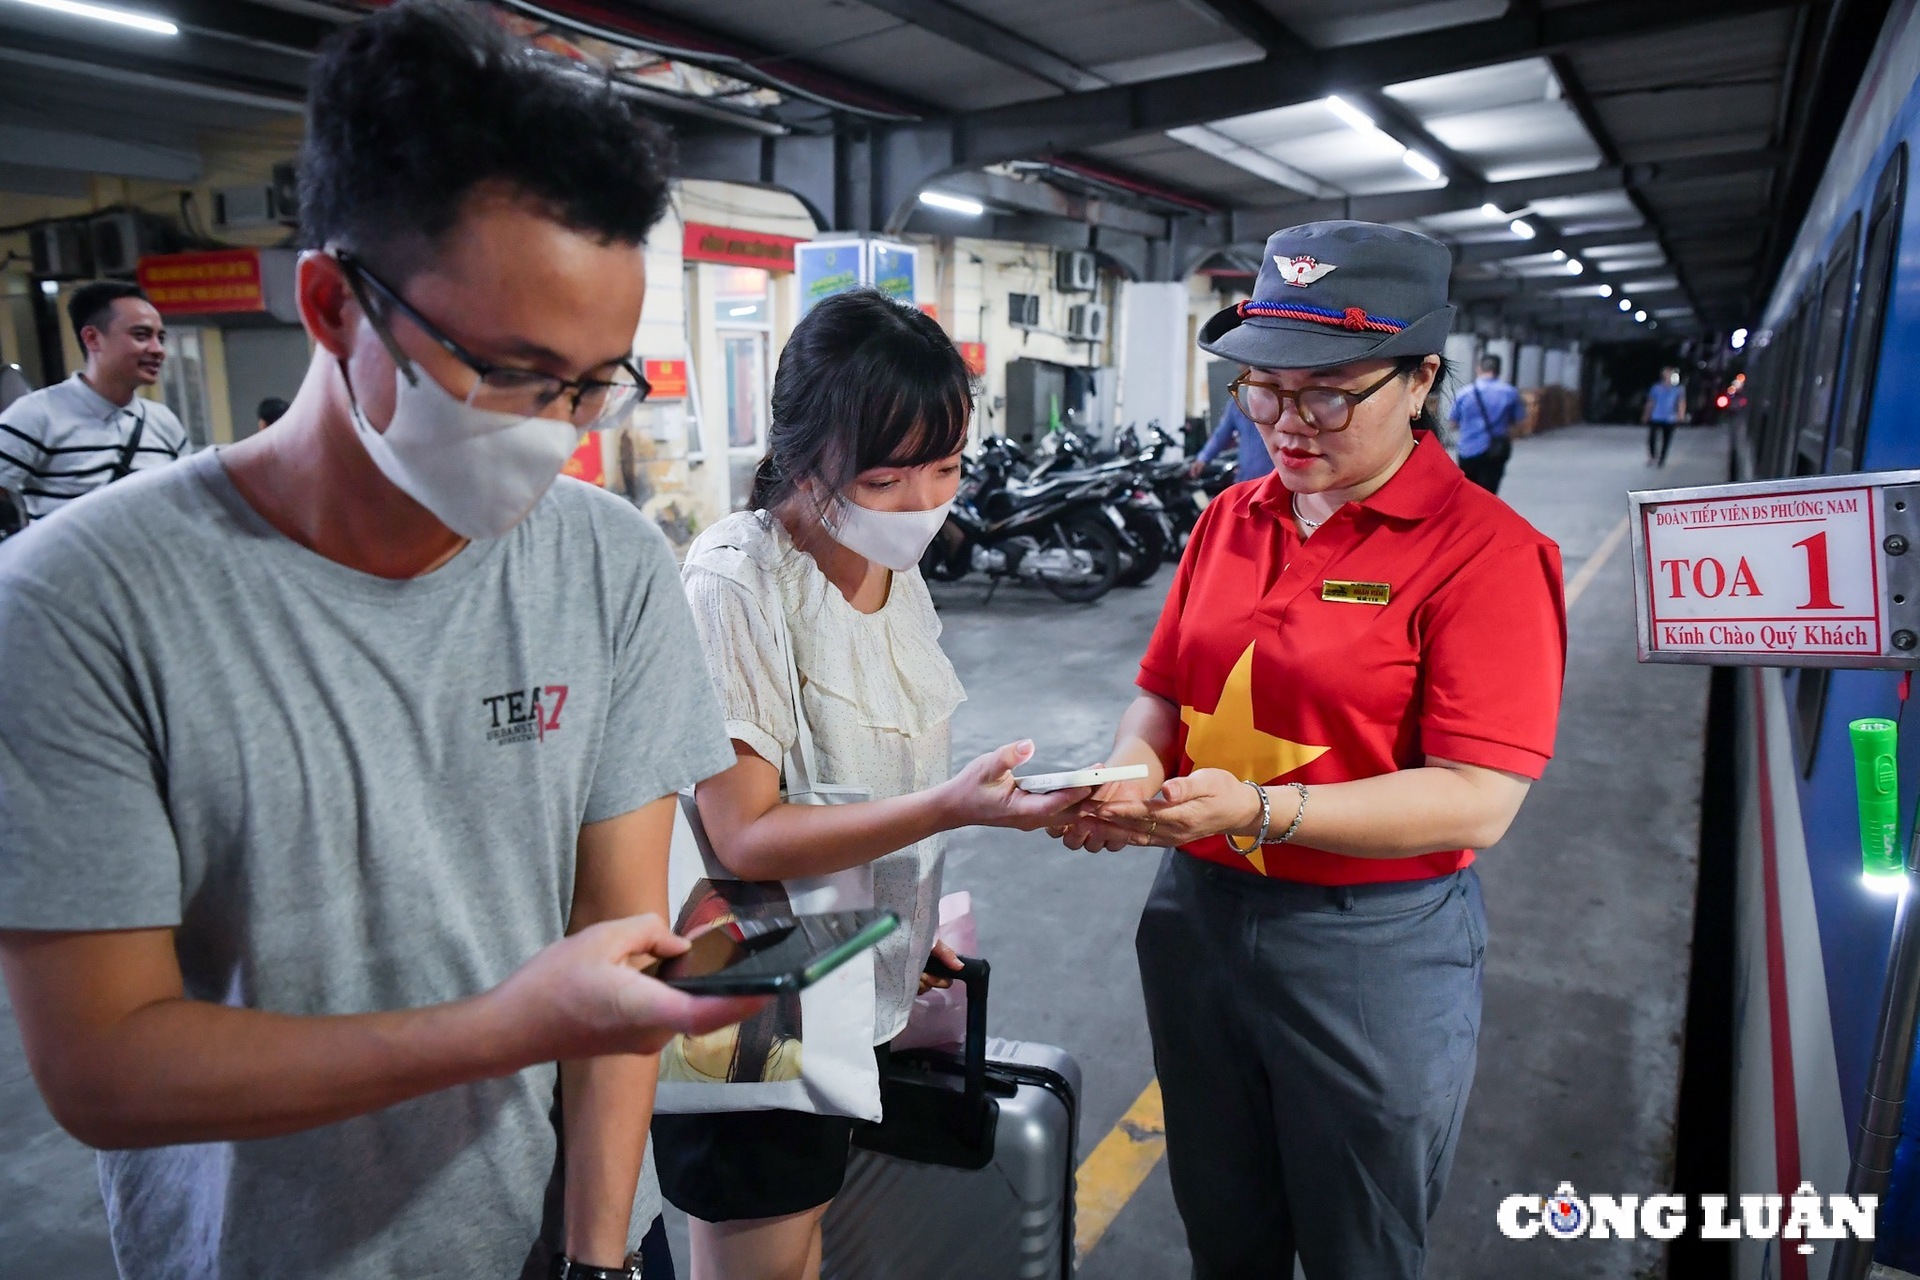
x=1356 y=592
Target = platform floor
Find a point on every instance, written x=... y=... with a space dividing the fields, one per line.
x=1589 y=901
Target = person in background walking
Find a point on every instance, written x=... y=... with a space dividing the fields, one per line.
x=1254 y=459
x=68 y=440
x=1665 y=409
x=1485 y=415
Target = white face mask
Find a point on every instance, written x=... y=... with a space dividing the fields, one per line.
x=895 y=539
x=479 y=471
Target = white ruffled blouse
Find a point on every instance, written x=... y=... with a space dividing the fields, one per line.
x=879 y=694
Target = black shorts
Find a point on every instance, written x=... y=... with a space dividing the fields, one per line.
x=728 y=1166
x=724 y=1166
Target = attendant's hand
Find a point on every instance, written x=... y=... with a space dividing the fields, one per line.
x=1206 y=802
x=1195 y=467
x=984 y=795
x=585 y=997
x=947 y=956
x=1084 y=830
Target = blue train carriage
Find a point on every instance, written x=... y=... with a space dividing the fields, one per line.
x=1829 y=393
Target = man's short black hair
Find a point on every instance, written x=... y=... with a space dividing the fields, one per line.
x=270 y=409
x=1490 y=364
x=92 y=304
x=411 y=109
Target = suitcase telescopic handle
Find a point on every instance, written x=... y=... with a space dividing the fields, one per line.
x=972 y=974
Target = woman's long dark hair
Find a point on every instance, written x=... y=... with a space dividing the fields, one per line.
x=864 y=382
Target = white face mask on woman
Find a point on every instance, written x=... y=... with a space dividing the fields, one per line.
x=479 y=471
x=895 y=539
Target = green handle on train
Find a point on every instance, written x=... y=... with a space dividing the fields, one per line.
x=1877 y=783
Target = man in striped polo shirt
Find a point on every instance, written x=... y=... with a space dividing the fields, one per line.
x=90 y=430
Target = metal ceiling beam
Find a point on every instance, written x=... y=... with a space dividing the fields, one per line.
x=1253 y=224
x=977 y=35
x=1588 y=113
x=1109 y=115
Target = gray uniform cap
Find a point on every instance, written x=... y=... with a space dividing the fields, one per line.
x=1333 y=292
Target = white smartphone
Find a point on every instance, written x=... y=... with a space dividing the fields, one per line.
x=1043 y=782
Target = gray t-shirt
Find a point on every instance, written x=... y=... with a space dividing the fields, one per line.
x=346 y=794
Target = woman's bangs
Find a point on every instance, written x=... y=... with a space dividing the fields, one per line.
x=921 y=425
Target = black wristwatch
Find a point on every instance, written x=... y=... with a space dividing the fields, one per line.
x=565 y=1268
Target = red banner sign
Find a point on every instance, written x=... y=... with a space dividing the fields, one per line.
x=197 y=284
x=974 y=354
x=668 y=378
x=737 y=248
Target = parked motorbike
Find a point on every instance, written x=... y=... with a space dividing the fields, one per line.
x=1060 y=532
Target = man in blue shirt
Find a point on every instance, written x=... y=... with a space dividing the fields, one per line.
x=1666 y=408
x=1485 y=414
x=1255 y=461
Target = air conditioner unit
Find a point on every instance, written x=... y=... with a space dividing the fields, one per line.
x=117 y=243
x=1023 y=310
x=238 y=207
x=61 y=251
x=1074 y=271
x=1087 y=322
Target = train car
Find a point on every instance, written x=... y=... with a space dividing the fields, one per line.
x=1833 y=387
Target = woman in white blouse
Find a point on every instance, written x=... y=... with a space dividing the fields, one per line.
x=870 y=409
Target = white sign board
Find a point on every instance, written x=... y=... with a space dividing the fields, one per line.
x=1818 y=571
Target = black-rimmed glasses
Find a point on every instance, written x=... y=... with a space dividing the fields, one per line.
x=594 y=404
x=1322 y=408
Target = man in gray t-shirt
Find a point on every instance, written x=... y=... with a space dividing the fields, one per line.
x=338 y=766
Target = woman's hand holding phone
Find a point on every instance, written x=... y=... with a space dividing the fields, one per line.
x=1086 y=829
x=985 y=794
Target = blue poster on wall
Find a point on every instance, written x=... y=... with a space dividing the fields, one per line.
x=826 y=269
x=892 y=270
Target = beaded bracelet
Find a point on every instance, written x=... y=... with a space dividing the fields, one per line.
x=1298 y=814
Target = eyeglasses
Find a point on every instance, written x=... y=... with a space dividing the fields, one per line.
x=1322 y=408
x=593 y=403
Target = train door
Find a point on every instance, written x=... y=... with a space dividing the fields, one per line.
x=1876 y=274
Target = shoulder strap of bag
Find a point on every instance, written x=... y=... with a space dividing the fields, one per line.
x=1485 y=417
x=801 y=769
x=122 y=467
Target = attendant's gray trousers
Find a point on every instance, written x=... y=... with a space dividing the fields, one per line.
x=1315 y=1047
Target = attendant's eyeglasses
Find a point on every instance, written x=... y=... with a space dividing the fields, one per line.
x=593 y=403
x=1322 y=408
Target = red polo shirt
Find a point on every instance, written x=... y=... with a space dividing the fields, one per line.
x=1427 y=620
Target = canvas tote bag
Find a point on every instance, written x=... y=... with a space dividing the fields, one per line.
x=808 y=1051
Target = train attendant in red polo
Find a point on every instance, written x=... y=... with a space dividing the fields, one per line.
x=1354 y=681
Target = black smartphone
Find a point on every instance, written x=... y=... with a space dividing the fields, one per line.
x=768 y=956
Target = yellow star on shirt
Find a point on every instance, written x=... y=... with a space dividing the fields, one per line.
x=1228 y=739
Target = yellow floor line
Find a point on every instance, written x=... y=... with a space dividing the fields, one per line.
x=1591 y=569
x=1114 y=1170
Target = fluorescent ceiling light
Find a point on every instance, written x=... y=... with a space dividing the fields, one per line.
x=102 y=13
x=1559 y=255
x=1575 y=266
x=1641 y=316
x=1351 y=115
x=1421 y=165
x=953 y=204
x=1522 y=228
x=1738 y=341
x=1626 y=304
x=1606 y=291
x=747 y=310
x=1492 y=211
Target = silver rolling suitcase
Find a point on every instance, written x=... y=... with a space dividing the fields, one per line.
x=970 y=1175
